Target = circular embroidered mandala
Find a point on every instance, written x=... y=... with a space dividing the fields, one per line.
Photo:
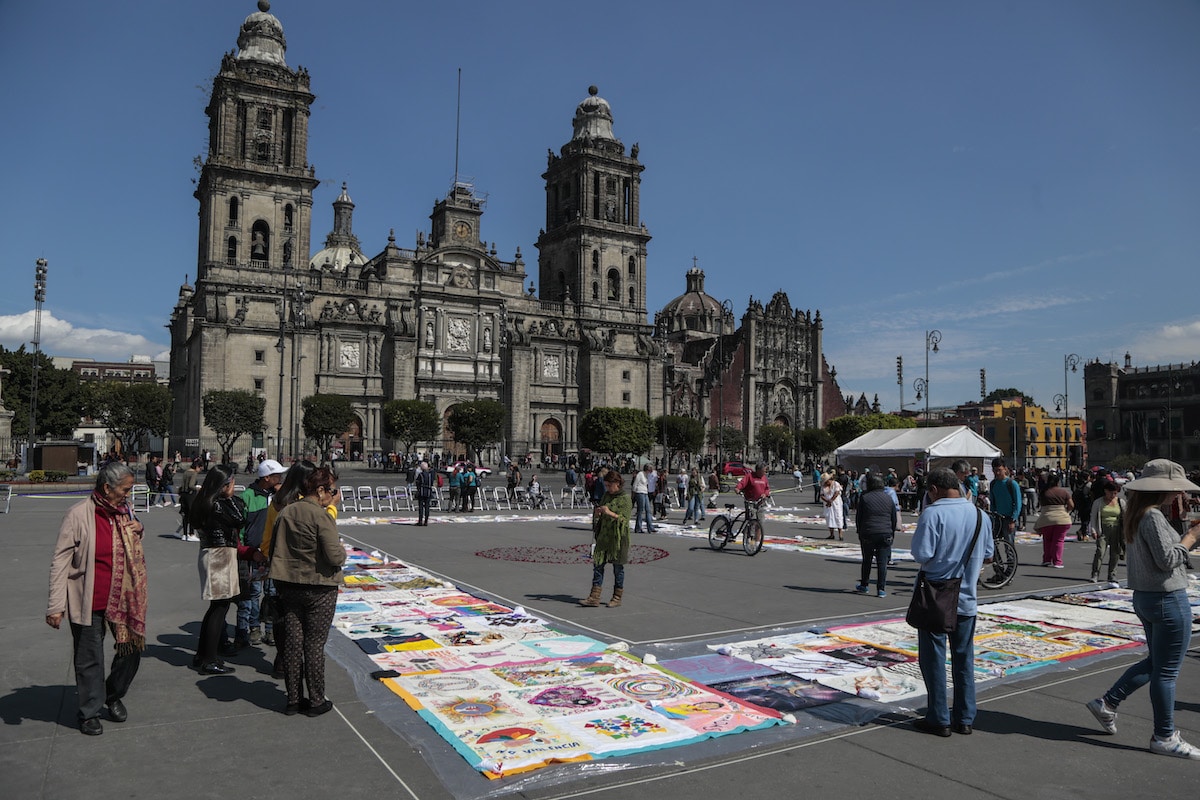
x=579 y=554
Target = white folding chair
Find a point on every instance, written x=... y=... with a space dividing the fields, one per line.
x=500 y=496
x=520 y=497
x=550 y=499
x=139 y=498
x=402 y=498
x=579 y=498
x=366 y=498
x=349 y=500
x=383 y=499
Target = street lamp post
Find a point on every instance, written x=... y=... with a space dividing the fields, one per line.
x=726 y=308
x=39 y=297
x=299 y=299
x=932 y=338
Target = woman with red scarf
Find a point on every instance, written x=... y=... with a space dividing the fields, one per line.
x=98 y=581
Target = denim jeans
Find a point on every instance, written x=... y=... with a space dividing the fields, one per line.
x=618 y=575
x=877 y=549
x=931 y=650
x=1167 y=619
x=641 y=511
x=247 y=610
x=94 y=691
x=695 y=508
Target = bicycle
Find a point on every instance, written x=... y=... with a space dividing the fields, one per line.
x=1003 y=568
x=728 y=526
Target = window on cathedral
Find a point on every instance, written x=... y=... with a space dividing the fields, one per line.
x=231 y=253
x=289 y=136
x=625 y=397
x=258 y=384
x=625 y=375
x=614 y=286
x=260 y=356
x=632 y=297
x=289 y=217
x=595 y=290
x=595 y=261
x=595 y=197
x=260 y=242
x=627 y=203
x=233 y=212
x=264 y=119
x=262 y=150
x=632 y=268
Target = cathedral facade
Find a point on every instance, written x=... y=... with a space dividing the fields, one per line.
x=448 y=320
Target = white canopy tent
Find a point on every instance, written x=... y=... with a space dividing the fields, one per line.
x=908 y=449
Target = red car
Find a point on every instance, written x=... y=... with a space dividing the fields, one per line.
x=735 y=468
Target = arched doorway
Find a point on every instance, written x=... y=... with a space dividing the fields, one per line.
x=550 y=437
x=457 y=451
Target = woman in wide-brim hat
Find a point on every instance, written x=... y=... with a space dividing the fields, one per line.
x=1157 y=563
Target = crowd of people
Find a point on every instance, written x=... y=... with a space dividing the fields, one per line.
x=273 y=550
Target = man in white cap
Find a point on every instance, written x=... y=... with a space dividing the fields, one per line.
x=257 y=497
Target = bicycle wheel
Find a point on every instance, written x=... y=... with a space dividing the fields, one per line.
x=1003 y=568
x=718 y=533
x=752 y=537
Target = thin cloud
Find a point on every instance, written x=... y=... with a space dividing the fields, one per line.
x=1173 y=343
x=61 y=338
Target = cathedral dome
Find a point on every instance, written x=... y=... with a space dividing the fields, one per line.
x=694 y=310
x=261 y=37
x=593 y=118
x=339 y=258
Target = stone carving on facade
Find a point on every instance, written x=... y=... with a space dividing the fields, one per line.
x=349 y=356
x=458 y=336
x=243 y=306
x=487 y=340
x=550 y=367
x=429 y=334
x=647 y=346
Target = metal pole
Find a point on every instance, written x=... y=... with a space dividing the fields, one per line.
x=39 y=297
x=280 y=346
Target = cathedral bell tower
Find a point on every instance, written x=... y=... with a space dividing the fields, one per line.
x=255 y=188
x=593 y=249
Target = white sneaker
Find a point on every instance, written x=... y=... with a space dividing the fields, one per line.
x=1113 y=585
x=1104 y=715
x=1174 y=746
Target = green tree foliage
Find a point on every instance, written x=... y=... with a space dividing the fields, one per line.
x=411 y=421
x=616 y=431
x=996 y=395
x=326 y=417
x=728 y=439
x=683 y=435
x=232 y=414
x=130 y=411
x=817 y=442
x=475 y=424
x=850 y=427
x=1127 y=462
x=775 y=441
x=61 y=398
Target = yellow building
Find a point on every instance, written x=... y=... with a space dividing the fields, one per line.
x=1030 y=437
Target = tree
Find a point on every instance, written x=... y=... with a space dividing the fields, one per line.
x=411 y=421
x=728 y=439
x=850 y=427
x=817 y=442
x=326 y=417
x=775 y=441
x=1127 y=462
x=475 y=424
x=130 y=411
x=683 y=435
x=61 y=399
x=615 y=431
x=996 y=395
x=232 y=414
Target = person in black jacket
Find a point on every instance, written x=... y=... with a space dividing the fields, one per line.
x=876 y=520
x=218 y=517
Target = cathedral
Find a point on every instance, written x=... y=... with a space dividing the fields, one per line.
x=448 y=320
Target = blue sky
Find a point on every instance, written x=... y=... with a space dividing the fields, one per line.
x=1023 y=177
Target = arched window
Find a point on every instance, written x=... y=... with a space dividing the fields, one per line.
x=289 y=217
x=595 y=261
x=562 y=284
x=632 y=268
x=231 y=251
x=233 y=212
x=632 y=297
x=260 y=242
x=595 y=290
x=614 y=286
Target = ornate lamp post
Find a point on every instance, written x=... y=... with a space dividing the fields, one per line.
x=299 y=302
x=932 y=338
x=726 y=308
x=39 y=297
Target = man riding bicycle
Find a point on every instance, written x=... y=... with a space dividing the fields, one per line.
x=754 y=487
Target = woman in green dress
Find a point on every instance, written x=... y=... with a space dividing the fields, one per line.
x=610 y=524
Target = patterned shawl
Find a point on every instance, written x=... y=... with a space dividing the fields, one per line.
x=126 y=609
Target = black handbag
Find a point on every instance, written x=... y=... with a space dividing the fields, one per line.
x=934 y=605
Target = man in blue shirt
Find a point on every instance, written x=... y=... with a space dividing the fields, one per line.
x=944 y=533
x=1005 y=498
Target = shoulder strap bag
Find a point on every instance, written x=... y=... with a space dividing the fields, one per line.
x=934 y=605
